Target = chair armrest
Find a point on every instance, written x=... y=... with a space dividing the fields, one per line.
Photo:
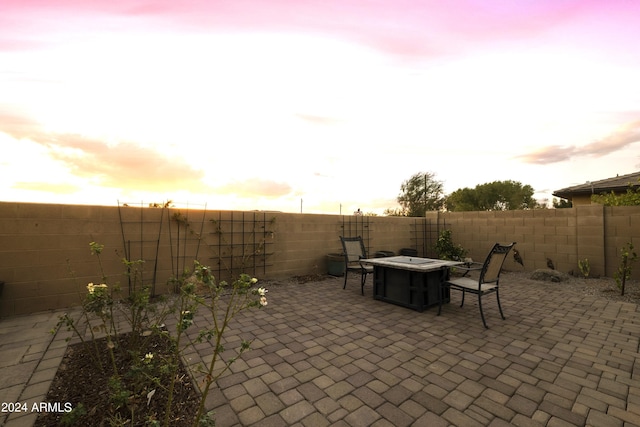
x=469 y=266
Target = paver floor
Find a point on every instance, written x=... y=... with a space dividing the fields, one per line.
x=324 y=356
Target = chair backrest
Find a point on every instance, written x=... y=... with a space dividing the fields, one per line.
x=493 y=264
x=353 y=248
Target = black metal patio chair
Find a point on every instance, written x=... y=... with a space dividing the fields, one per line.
x=354 y=250
x=487 y=283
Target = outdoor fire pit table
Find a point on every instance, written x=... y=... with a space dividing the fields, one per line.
x=409 y=281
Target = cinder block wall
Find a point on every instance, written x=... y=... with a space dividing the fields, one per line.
x=43 y=246
x=45 y=260
x=590 y=238
x=565 y=236
x=622 y=226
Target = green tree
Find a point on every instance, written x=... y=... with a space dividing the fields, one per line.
x=630 y=198
x=492 y=196
x=393 y=212
x=463 y=199
x=562 y=203
x=419 y=194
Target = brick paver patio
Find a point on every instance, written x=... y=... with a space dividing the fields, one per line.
x=327 y=356
x=324 y=356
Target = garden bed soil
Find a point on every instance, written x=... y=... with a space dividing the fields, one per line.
x=85 y=387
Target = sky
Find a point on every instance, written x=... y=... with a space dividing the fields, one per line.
x=314 y=106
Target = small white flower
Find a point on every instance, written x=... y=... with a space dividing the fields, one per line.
x=254 y=281
x=148 y=356
x=263 y=301
x=262 y=291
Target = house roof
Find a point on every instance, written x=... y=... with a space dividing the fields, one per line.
x=617 y=183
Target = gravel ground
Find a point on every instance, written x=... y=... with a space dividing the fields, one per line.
x=603 y=287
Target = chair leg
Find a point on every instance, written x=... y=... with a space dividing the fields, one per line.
x=499 y=306
x=440 y=297
x=484 y=322
x=363 y=280
x=345 y=278
x=462 y=302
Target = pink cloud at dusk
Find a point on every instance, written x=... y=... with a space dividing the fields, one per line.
x=413 y=28
x=47 y=187
x=625 y=136
x=124 y=165
x=157 y=96
x=256 y=187
x=316 y=119
x=127 y=165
